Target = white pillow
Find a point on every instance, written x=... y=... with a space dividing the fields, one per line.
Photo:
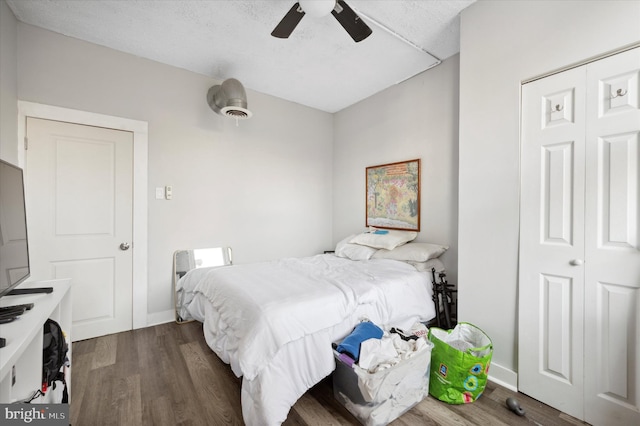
x=426 y=266
x=388 y=241
x=353 y=251
x=414 y=252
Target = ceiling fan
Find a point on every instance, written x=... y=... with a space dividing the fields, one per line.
x=349 y=20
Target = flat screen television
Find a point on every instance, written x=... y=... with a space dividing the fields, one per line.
x=14 y=245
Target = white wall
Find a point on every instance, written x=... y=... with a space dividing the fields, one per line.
x=8 y=85
x=502 y=44
x=263 y=188
x=417 y=118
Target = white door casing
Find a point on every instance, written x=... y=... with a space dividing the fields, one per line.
x=139 y=129
x=579 y=290
x=79 y=199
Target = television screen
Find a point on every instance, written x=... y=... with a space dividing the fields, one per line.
x=14 y=248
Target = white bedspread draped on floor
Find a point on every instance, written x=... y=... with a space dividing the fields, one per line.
x=274 y=322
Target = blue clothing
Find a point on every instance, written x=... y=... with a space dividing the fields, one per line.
x=363 y=331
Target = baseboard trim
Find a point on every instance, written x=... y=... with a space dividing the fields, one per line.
x=503 y=376
x=163 y=317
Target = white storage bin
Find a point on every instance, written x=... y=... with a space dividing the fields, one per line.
x=378 y=398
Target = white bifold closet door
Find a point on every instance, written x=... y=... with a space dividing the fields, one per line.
x=579 y=287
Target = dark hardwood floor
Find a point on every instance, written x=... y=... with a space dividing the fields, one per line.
x=167 y=375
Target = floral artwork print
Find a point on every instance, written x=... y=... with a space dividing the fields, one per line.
x=393 y=195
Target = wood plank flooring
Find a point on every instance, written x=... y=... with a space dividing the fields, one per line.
x=167 y=375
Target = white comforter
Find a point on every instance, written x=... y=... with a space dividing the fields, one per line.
x=275 y=319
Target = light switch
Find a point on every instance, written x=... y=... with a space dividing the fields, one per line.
x=159 y=193
x=168 y=192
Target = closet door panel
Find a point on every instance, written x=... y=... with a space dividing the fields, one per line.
x=557 y=172
x=550 y=359
x=612 y=247
x=617 y=200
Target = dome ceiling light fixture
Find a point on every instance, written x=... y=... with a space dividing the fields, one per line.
x=229 y=99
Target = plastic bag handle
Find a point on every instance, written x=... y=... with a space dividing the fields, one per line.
x=484 y=348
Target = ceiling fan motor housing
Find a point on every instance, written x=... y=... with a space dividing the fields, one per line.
x=349 y=19
x=317 y=8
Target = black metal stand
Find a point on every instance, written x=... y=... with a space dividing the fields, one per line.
x=443 y=300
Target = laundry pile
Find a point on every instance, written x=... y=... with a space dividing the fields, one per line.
x=380 y=354
x=382 y=374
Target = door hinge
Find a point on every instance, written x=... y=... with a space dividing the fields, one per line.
x=26 y=143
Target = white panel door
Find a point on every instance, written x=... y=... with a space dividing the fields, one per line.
x=612 y=241
x=579 y=331
x=551 y=332
x=79 y=203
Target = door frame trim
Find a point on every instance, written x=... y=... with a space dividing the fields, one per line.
x=140 y=183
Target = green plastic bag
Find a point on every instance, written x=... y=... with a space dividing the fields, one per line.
x=460 y=361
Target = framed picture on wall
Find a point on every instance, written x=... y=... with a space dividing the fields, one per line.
x=393 y=195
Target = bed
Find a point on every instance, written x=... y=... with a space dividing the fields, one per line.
x=274 y=322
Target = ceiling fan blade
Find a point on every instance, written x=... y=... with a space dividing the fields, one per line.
x=350 y=21
x=289 y=22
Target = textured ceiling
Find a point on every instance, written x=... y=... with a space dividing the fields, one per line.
x=319 y=65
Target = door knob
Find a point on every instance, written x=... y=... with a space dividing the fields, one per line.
x=124 y=246
x=576 y=262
